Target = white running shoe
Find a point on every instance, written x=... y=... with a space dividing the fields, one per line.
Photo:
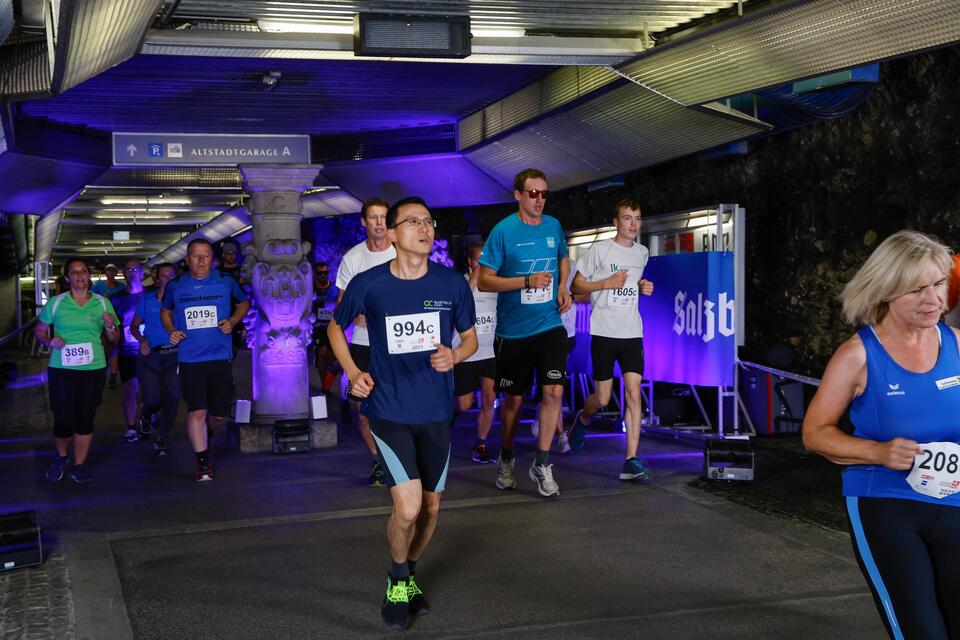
x=563 y=443
x=535 y=429
x=505 y=479
x=543 y=476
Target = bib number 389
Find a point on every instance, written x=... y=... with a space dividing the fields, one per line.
x=76 y=355
x=936 y=471
x=413 y=332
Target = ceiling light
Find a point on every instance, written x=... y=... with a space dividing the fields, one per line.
x=160 y=200
x=283 y=26
x=495 y=32
x=133 y=216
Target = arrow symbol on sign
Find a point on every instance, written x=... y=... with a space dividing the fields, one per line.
x=131 y=150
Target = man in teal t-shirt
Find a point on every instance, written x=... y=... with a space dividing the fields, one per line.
x=525 y=261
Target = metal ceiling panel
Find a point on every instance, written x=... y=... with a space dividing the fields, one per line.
x=335 y=202
x=558 y=88
x=25 y=70
x=95 y=35
x=226 y=224
x=6 y=19
x=443 y=180
x=160 y=93
x=179 y=178
x=536 y=15
x=623 y=129
x=33 y=185
x=45 y=235
x=792 y=43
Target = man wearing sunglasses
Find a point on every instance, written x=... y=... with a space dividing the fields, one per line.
x=525 y=261
x=412 y=308
x=373 y=251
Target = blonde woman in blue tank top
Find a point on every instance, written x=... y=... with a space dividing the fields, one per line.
x=899 y=375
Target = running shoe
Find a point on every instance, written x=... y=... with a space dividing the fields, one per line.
x=377 y=475
x=577 y=433
x=57 y=468
x=396 y=605
x=535 y=429
x=481 y=455
x=160 y=448
x=204 y=473
x=112 y=382
x=418 y=602
x=543 y=475
x=132 y=435
x=505 y=479
x=635 y=469
x=563 y=443
x=79 y=474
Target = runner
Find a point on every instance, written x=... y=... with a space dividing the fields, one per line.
x=76 y=366
x=479 y=371
x=109 y=288
x=412 y=307
x=157 y=368
x=196 y=315
x=125 y=303
x=373 y=251
x=525 y=262
x=611 y=272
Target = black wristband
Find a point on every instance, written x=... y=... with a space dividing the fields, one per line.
x=526 y=282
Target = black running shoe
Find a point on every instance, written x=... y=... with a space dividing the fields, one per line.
x=418 y=602
x=396 y=605
x=376 y=475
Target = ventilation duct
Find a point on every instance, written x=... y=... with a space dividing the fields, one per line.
x=333 y=202
x=226 y=224
x=82 y=39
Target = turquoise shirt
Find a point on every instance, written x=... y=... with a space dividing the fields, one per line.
x=517 y=249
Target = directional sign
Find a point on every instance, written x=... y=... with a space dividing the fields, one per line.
x=207 y=149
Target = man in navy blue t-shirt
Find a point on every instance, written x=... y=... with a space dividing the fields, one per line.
x=412 y=307
x=196 y=314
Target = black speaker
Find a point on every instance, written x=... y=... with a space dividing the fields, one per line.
x=291 y=436
x=398 y=35
x=19 y=541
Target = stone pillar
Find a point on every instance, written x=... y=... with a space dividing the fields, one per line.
x=276 y=265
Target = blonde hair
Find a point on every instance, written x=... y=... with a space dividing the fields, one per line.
x=896 y=267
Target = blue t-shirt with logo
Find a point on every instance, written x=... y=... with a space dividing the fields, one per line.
x=517 y=249
x=198 y=307
x=404 y=318
x=148 y=309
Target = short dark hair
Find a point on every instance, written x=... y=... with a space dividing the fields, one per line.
x=322 y=263
x=393 y=211
x=626 y=203
x=162 y=265
x=199 y=241
x=66 y=265
x=474 y=246
x=372 y=202
x=521 y=178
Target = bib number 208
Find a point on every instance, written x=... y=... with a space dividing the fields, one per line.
x=940 y=461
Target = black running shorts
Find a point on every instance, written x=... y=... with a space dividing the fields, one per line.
x=466 y=375
x=207 y=385
x=605 y=351
x=517 y=360
x=413 y=452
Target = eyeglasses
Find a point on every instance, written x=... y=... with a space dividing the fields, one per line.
x=426 y=223
x=534 y=194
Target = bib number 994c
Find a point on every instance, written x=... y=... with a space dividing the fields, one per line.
x=413 y=332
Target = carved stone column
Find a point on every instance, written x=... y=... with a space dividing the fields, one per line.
x=276 y=265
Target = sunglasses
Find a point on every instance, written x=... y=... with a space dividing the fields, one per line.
x=534 y=194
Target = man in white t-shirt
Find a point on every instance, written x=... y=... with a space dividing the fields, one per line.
x=373 y=251
x=479 y=371
x=611 y=272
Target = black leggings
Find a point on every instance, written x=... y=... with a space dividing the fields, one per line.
x=909 y=552
x=74 y=398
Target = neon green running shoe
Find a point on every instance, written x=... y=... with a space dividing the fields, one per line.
x=396 y=605
x=418 y=602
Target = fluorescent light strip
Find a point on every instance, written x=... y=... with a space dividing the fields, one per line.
x=284 y=26
x=139 y=200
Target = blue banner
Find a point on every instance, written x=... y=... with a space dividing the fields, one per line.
x=689 y=322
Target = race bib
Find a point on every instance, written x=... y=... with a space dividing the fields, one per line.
x=76 y=355
x=201 y=317
x=624 y=297
x=486 y=323
x=413 y=332
x=536 y=296
x=936 y=471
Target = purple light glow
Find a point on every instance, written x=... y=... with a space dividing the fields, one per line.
x=26 y=382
